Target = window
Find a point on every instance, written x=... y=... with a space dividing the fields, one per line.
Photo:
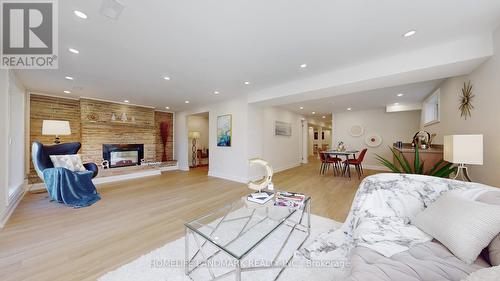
x=430 y=109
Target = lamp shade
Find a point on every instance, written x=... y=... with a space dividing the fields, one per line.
x=194 y=135
x=55 y=128
x=464 y=149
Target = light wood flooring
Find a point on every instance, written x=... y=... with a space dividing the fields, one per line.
x=49 y=241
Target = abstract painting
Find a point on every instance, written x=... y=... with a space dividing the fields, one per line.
x=224 y=130
x=282 y=129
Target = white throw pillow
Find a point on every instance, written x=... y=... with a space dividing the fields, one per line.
x=464 y=226
x=71 y=162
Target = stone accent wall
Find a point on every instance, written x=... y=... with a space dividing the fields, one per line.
x=51 y=108
x=92 y=125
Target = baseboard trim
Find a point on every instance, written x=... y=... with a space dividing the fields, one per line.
x=227 y=177
x=16 y=198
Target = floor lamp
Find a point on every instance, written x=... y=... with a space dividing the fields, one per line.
x=462 y=150
x=194 y=157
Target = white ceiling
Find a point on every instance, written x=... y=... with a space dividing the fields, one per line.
x=412 y=93
x=206 y=46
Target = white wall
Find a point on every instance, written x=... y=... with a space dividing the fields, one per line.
x=12 y=126
x=198 y=124
x=224 y=162
x=281 y=151
x=485 y=116
x=4 y=118
x=392 y=127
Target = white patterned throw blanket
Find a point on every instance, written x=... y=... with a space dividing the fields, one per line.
x=380 y=215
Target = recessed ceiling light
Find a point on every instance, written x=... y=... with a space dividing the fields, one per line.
x=126 y=101
x=313 y=112
x=247 y=82
x=166 y=78
x=80 y=14
x=323 y=117
x=349 y=108
x=216 y=92
x=67 y=92
x=410 y=33
x=397 y=103
x=69 y=78
x=74 y=51
x=400 y=95
x=303 y=65
x=186 y=101
x=167 y=107
x=301 y=107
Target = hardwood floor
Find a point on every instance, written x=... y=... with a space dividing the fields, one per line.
x=48 y=241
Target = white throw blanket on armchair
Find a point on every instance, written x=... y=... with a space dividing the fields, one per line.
x=380 y=215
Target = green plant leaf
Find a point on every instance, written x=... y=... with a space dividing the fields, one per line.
x=387 y=163
x=401 y=160
x=416 y=162
x=434 y=169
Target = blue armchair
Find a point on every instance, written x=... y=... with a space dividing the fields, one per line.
x=41 y=156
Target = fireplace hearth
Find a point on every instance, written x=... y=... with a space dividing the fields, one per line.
x=123 y=155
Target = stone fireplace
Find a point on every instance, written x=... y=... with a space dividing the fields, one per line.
x=122 y=155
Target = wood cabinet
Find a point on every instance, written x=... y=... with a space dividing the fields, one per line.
x=431 y=155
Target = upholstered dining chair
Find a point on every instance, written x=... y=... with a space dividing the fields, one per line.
x=356 y=162
x=326 y=161
x=40 y=154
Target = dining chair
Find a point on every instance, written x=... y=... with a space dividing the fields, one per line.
x=356 y=162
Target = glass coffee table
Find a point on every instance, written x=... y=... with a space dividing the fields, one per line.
x=218 y=243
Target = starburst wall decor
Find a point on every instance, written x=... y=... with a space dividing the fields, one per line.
x=466 y=101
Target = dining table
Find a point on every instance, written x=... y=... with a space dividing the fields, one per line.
x=346 y=154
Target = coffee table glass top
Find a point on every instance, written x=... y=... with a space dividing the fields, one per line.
x=239 y=227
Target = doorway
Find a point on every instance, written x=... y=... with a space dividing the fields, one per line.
x=198 y=140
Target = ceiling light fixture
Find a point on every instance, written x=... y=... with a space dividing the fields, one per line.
x=80 y=14
x=216 y=92
x=167 y=107
x=166 y=78
x=74 y=51
x=303 y=65
x=400 y=95
x=397 y=103
x=301 y=107
x=69 y=78
x=247 y=82
x=349 y=108
x=126 y=101
x=186 y=101
x=67 y=92
x=313 y=112
x=410 y=33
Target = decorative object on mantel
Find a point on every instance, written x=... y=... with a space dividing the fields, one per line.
x=164 y=139
x=113 y=117
x=56 y=128
x=373 y=140
x=463 y=149
x=356 y=131
x=194 y=157
x=466 y=101
x=266 y=181
x=441 y=169
x=105 y=164
x=124 y=117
